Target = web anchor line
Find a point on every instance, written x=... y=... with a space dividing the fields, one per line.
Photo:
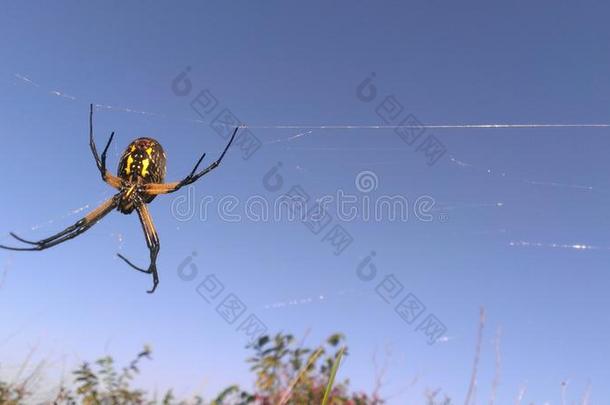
x=428 y=126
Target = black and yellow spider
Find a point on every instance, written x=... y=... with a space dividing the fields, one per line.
x=140 y=179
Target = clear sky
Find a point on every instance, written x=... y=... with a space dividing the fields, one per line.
x=512 y=210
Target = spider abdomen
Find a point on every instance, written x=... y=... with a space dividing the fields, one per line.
x=143 y=162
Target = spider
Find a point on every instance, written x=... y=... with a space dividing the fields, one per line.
x=139 y=180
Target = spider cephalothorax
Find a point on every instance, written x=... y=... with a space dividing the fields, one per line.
x=139 y=180
x=143 y=162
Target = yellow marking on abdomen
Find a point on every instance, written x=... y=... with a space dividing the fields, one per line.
x=129 y=163
x=145 y=164
x=149 y=152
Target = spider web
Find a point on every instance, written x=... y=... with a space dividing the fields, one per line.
x=301 y=132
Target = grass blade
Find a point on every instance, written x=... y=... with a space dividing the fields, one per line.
x=333 y=373
x=314 y=357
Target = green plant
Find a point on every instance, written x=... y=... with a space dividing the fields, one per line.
x=285 y=373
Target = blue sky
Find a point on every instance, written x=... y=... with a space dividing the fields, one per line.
x=274 y=63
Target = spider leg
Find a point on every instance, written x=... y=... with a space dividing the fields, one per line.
x=101 y=162
x=191 y=178
x=103 y=158
x=70 y=232
x=152 y=241
x=66 y=231
x=126 y=260
x=165 y=188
